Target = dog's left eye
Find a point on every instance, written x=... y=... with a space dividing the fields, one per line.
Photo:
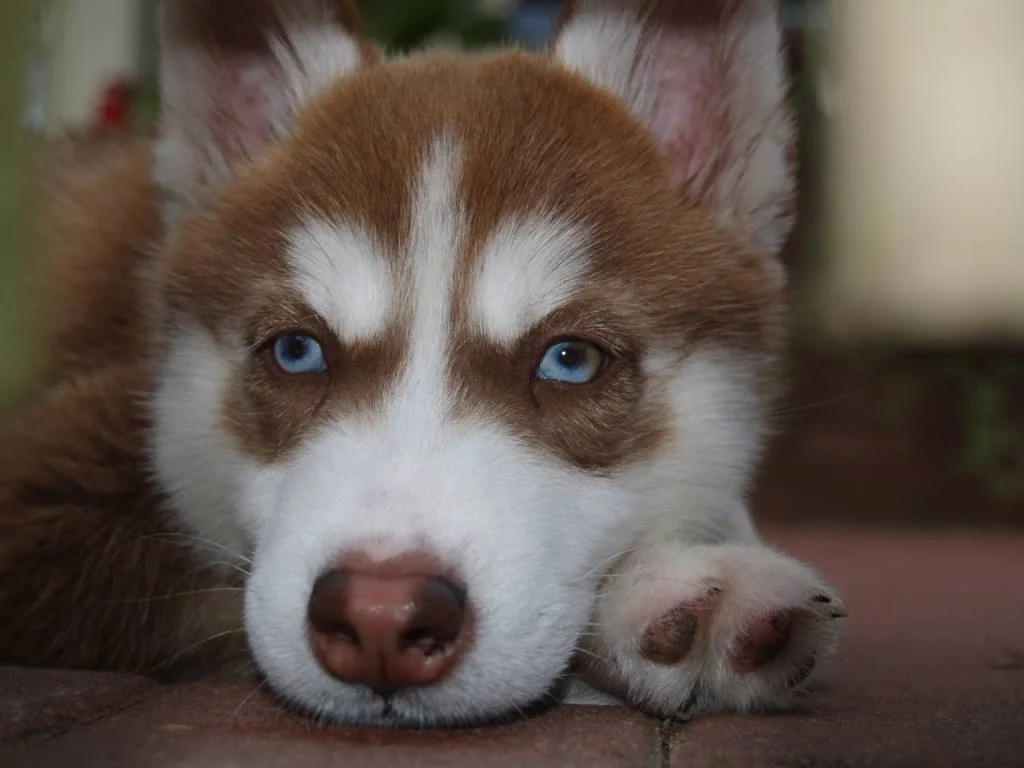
x=572 y=362
x=298 y=354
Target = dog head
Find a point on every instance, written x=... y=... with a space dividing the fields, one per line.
x=443 y=335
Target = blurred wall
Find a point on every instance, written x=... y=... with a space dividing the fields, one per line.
x=15 y=327
x=90 y=43
x=926 y=180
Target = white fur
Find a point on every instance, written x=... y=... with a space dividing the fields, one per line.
x=603 y=44
x=193 y=458
x=314 y=58
x=528 y=269
x=679 y=81
x=701 y=476
x=344 y=277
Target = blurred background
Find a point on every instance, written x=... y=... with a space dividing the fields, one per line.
x=906 y=404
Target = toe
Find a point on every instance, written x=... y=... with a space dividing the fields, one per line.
x=801 y=672
x=669 y=639
x=762 y=641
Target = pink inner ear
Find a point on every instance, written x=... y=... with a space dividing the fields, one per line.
x=691 y=116
x=246 y=117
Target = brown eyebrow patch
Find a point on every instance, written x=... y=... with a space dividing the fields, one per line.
x=270 y=412
x=596 y=426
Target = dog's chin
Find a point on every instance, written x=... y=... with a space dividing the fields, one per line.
x=401 y=714
x=419 y=709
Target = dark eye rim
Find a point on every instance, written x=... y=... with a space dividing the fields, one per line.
x=608 y=359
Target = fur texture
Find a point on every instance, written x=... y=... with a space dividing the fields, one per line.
x=436 y=223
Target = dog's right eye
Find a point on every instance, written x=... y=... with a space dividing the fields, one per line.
x=298 y=354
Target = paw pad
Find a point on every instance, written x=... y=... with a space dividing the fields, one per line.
x=762 y=642
x=667 y=640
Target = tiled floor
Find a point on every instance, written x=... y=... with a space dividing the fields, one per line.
x=931 y=674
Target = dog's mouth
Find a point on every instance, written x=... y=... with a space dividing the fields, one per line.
x=397 y=712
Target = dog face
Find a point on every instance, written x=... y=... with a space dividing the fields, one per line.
x=463 y=328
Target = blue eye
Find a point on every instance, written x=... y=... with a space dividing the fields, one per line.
x=298 y=354
x=571 y=362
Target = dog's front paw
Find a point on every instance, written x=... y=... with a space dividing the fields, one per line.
x=680 y=630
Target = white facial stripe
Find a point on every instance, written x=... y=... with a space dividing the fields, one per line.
x=437 y=226
x=342 y=274
x=528 y=269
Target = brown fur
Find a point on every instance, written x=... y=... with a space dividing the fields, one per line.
x=100 y=231
x=92 y=573
x=560 y=142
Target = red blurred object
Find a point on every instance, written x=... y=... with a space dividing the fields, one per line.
x=115 y=107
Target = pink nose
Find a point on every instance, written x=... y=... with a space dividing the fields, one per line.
x=388 y=626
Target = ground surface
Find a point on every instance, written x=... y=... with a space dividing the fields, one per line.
x=931 y=673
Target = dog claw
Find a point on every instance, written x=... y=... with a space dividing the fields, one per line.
x=836 y=609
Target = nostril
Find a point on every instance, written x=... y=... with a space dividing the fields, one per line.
x=340 y=630
x=423 y=640
x=439 y=617
x=327 y=607
x=429 y=642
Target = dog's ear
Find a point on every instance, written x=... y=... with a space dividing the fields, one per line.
x=234 y=73
x=708 y=80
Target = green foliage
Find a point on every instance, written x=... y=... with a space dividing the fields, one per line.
x=992 y=447
x=403 y=25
